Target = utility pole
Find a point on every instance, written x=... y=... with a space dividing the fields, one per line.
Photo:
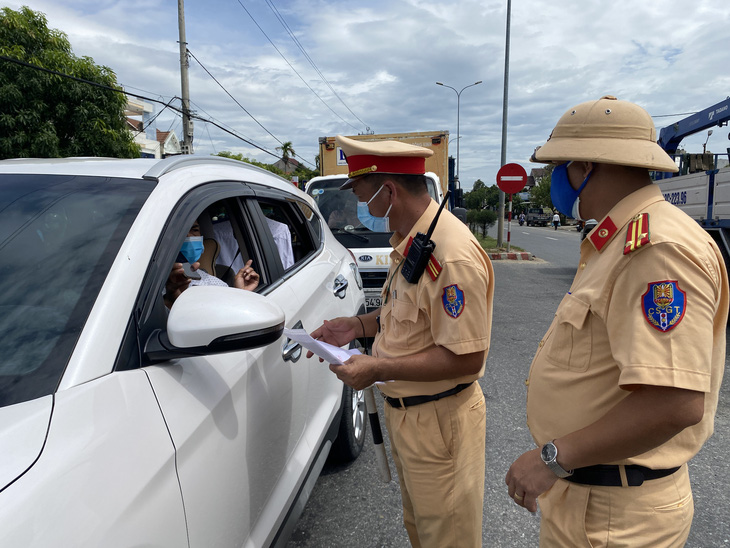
x=500 y=221
x=187 y=136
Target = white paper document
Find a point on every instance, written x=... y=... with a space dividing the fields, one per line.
x=328 y=352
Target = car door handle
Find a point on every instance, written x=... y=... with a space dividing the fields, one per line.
x=341 y=284
x=291 y=351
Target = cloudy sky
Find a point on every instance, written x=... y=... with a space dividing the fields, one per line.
x=381 y=60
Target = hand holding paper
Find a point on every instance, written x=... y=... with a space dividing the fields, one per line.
x=329 y=353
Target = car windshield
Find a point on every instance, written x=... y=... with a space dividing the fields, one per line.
x=339 y=207
x=58 y=238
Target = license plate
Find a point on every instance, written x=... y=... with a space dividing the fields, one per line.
x=372 y=302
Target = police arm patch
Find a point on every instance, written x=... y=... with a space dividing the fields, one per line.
x=454 y=300
x=664 y=305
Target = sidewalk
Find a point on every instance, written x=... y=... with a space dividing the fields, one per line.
x=512 y=255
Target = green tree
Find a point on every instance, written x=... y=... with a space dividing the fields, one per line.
x=540 y=193
x=287 y=152
x=492 y=197
x=302 y=172
x=45 y=115
x=477 y=196
x=480 y=219
x=242 y=158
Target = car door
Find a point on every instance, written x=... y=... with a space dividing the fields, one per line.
x=242 y=422
x=320 y=280
x=228 y=415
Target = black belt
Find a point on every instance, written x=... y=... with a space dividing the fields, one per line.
x=609 y=474
x=418 y=400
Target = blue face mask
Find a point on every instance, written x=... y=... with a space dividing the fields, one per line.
x=565 y=198
x=192 y=248
x=376 y=224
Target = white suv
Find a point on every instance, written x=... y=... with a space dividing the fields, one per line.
x=123 y=422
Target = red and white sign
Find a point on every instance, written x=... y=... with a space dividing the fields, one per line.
x=511 y=178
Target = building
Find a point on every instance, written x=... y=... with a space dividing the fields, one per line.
x=152 y=142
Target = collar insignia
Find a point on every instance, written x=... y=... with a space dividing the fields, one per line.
x=638 y=233
x=602 y=233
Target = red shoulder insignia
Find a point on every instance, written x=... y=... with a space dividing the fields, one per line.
x=602 y=233
x=433 y=268
x=638 y=233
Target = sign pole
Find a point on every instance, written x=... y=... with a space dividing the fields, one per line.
x=509 y=223
x=511 y=178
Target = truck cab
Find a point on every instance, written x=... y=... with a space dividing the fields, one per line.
x=539 y=216
x=371 y=250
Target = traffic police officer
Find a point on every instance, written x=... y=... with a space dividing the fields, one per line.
x=430 y=347
x=624 y=386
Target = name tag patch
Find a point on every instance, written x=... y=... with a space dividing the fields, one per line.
x=664 y=305
x=453 y=300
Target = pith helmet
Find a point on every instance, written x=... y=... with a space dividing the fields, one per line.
x=367 y=157
x=606 y=131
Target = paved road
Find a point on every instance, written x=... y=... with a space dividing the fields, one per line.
x=351 y=507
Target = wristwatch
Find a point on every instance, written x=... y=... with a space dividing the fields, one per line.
x=549 y=455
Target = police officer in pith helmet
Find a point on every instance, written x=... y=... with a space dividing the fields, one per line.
x=624 y=386
x=431 y=341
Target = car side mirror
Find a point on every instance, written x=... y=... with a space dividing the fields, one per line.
x=213 y=320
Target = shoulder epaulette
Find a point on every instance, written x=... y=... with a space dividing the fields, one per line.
x=433 y=268
x=638 y=233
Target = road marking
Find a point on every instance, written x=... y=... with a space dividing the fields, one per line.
x=549 y=238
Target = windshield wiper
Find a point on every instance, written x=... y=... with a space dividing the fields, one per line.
x=350 y=233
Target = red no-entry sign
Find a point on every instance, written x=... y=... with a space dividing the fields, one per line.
x=511 y=178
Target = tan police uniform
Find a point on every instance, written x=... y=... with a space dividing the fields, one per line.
x=648 y=306
x=438 y=445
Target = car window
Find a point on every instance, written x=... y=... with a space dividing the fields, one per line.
x=293 y=227
x=58 y=237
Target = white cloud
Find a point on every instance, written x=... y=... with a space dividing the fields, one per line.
x=384 y=57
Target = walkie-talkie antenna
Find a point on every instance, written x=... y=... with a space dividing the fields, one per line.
x=436 y=218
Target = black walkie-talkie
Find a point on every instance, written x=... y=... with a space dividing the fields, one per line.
x=420 y=251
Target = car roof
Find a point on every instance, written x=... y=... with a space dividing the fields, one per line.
x=136 y=168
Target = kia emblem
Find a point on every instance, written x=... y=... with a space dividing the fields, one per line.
x=364 y=258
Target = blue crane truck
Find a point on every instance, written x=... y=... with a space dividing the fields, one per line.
x=702 y=187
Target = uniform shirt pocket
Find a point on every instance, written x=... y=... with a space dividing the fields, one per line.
x=571 y=342
x=403 y=320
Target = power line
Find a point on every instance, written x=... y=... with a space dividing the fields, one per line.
x=109 y=88
x=211 y=117
x=292 y=67
x=278 y=15
x=239 y=104
x=232 y=97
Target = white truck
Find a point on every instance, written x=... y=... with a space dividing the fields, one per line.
x=702 y=187
x=371 y=250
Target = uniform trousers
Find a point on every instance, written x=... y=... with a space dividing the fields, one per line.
x=439 y=451
x=656 y=514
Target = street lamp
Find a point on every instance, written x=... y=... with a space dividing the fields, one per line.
x=458 y=107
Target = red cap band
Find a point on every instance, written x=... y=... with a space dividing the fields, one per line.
x=364 y=164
